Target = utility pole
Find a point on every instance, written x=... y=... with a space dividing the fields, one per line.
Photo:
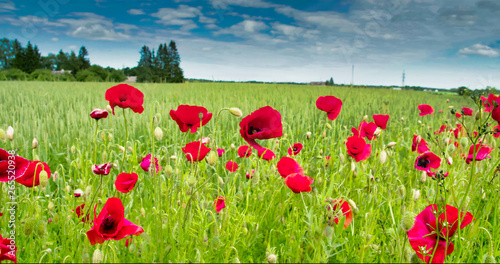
x=404 y=75
x=352 y=76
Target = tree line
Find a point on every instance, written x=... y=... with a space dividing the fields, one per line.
x=27 y=63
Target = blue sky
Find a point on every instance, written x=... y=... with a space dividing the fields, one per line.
x=442 y=44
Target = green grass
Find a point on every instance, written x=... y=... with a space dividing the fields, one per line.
x=262 y=216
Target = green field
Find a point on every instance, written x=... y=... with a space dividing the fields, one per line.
x=262 y=217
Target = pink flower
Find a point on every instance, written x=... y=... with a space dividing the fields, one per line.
x=419 y=145
x=287 y=166
x=365 y=130
x=250 y=175
x=146 y=163
x=265 y=154
x=358 y=149
x=244 y=151
x=219 y=204
x=298 y=182
x=425 y=109
x=482 y=152
x=467 y=111
x=102 y=169
x=231 y=166
x=98 y=114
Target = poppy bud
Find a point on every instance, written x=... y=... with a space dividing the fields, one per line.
x=169 y=170
x=143 y=212
x=353 y=166
x=235 y=111
x=419 y=121
x=2 y=135
x=489 y=259
x=109 y=109
x=451 y=148
x=158 y=133
x=466 y=204
x=173 y=157
x=104 y=155
x=272 y=258
x=479 y=114
x=402 y=191
x=449 y=160
x=44 y=179
x=88 y=192
x=55 y=176
x=447 y=141
x=353 y=206
x=255 y=177
x=130 y=149
x=320 y=152
x=415 y=194
x=382 y=156
x=103 y=136
x=418 y=139
x=365 y=118
x=34 y=143
x=41 y=228
x=110 y=136
x=97 y=257
x=77 y=192
x=324 y=134
x=328 y=126
x=447 y=100
x=68 y=189
x=29 y=226
x=415 y=259
x=50 y=206
x=464 y=142
x=233 y=146
x=212 y=158
x=308 y=135
x=423 y=177
x=221 y=182
x=191 y=181
x=10 y=133
x=122 y=149
x=236 y=260
x=407 y=221
x=73 y=149
x=402 y=119
x=328 y=232
x=391 y=145
x=342 y=158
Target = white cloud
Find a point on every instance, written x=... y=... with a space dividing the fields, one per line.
x=54 y=39
x=7 y=6
x=224 y=4
x=183 y=16
x=248 y=29
x=96 y=27
x=325 y=19
x=479 y=49
x=33 y=20
x=136 y=11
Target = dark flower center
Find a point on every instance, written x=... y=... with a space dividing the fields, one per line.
x=294 y=149
x=108 y=225
x=123 y=99
x=423 y=163
x=252 y=130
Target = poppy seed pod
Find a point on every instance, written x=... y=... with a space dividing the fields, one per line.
x=97 y=257
x=342 y=158
x=272 y=258
x=235 y=111
x=328 y=126
x=464 y=142
x=10 y=133
x=41 y=228
x=382 y=156
x=479 y=114
x=158 y=133
x=50 y=206
x=212 y=158
x=191 y=181
x=402 y=191
x=407 y=221
x=451 y=148
x=34 y=143
x=168 y=170
x=391 y=145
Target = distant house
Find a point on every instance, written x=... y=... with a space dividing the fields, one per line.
x=317 y=83
x=397 y=88
x=131 y=79
x=60 y=72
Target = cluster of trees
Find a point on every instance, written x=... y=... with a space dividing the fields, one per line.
x=160 y=66
x=27 y=63
x=329 y=82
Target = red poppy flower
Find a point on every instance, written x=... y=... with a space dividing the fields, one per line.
x=338 y=208
x=125 y=182
x=244 y=151
x=489 y=103
x=496 y=131
x=330 y=104
x=365 y=130
x=195 y=151
x=125 y=96
x=31 y=176
x=6 y=159
x=425 y=109
x=458 y=115
x=467 y=111
x=219 y=204
x=7 y=249
x=381 y=120
x=111 y=223
x=441 y=130
x=495 y=114
x=287 y=166
x=431 y=228
x=231 y=166
x=146 y=163
x=249 y=175
x=458 y=132
x=128 y=242
x=264 y=123
x=98 y=114
x=358 y=149
x=482 y=152
x=265 y=154
x=80 y=212
x=298 y=182
x=295 y=149
x=419 y=145
x=188 y=117
x=220 y=152
x=102 y=169
x=427 y=161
